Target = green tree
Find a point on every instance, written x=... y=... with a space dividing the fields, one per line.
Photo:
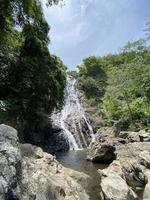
x=31 y=79
x=92 y=78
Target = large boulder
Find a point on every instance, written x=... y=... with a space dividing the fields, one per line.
x=146 y=193
x=101 y=153
x=28 y=173
x=144 y=158
x=124 y=181
x=134 y=175
x=113 y=184
x=45 y=178
x=132 y=150
x=10 y=163
x=47 y=133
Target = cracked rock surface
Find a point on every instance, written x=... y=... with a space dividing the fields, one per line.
x=28 y=173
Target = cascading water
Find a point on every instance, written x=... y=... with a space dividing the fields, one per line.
x=73 y=121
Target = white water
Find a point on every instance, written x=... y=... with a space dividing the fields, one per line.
x=73 y=120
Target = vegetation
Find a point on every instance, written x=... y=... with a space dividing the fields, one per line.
x=31 y=79
x=92 y=79
x=119 y=85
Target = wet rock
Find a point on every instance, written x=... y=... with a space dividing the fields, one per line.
x=47 y=133
x=101 y=153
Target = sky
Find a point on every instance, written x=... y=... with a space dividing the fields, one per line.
x=83 y=28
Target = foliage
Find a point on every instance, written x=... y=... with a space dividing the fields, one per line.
x=72 y=73
x=92 y=79
x=31 y=79
x=126 y=86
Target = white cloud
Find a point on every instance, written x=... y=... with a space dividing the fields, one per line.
x=86 y=27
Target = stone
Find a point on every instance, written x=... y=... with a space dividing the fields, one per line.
x=29 y=173
x=131 y=136
x=47 y=179
x=113 y=184
x=115 y=188
x=101 y=153
x=131 y=150
x=10 y=163
x=146 y=192
x=134 y=175
x=144 y=158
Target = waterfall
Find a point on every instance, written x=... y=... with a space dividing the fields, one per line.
x=73 y=121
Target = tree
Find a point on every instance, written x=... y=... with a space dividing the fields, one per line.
x=124 y=80
x=32 y=79
x=92 y=78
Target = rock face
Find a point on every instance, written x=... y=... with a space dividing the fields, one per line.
x=10 y=163
x=113 y=184
x=102 y=153
x=144 y=158
x=44 y=178
x=28 y=173
x=46 y=133
x=141 y=136
x=127 y=177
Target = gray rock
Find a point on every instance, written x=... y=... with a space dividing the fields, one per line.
x=47 y=134
x=146 y=192
x=131 y=150
x=113 y=184
x=45 y=178
x=131 y=136
x=144 y=158
x=10 y=163
x=134 y=175
x=101 y=153
x=28 y=173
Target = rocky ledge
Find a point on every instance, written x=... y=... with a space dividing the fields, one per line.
x=128 y=176
x=28 y=173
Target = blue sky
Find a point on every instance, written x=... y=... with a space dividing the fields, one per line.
x=83 y=28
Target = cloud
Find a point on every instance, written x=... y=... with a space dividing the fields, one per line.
x=94 y=27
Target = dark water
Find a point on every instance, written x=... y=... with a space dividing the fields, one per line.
x=77 y=160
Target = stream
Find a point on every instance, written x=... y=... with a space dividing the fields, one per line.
x=77 y=160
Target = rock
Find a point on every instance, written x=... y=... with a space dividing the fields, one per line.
x=101 y=153
x=134 y=175
x=47 y=134
x=124 y=179
x=133 y=137
x=144 y=158
x=144 y=136
x=131 y=150
x=114 y=168
x=127 y=177
x=28 y=173
x=146 y=193
x=10 y=163
x=114 y=187
x=46 y=179
x=141 y=136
